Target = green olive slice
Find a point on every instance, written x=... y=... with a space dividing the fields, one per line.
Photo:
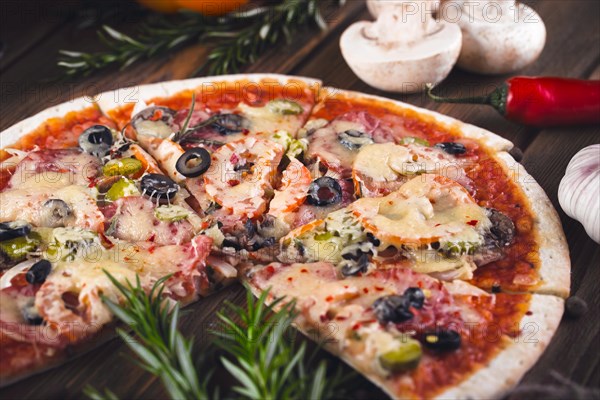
x=122 y=166
x=17 y=249
x=403 y=358
x=284 y=107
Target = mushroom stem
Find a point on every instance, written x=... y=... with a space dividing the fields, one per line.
x=403 y=23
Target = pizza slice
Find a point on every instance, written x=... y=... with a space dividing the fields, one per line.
x=376 y=145
x=228 y=147
x=431 y=224
x=412 y=335
x=92 y=203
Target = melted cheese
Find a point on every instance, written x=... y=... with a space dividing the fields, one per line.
x=263 y=120
x=426 y=209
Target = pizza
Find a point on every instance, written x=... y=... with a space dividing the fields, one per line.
x=414 y=247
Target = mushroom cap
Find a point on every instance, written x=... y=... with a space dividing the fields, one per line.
x=503 y=46
x=402 y=68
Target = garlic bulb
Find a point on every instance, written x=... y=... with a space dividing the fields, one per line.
x=579 y=190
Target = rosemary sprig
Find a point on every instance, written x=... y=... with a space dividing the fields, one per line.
x=234 y=50
x=236 y=39
x=161 y=348
x=262 y=356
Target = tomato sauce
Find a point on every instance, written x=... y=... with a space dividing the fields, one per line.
x=55 y=133
x=217 y=96
x=480 y=342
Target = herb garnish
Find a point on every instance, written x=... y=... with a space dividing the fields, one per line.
x=260 y=353
x=236 y=39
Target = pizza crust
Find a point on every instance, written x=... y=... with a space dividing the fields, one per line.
x=489 y=139
x=113 y=99
x=13 y=133
x=555 y=263
x=507 y=368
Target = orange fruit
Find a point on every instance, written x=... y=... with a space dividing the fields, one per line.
x=211 y=7
x=162 y=6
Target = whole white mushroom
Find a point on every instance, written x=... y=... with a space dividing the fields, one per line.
x=499 y=36
x=404 y=49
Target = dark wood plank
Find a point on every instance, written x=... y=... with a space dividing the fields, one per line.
x=24 y=92
x=39 y=22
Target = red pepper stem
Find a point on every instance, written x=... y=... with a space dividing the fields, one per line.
x=496 y=98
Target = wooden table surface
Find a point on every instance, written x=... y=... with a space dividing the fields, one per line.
x=32 y=35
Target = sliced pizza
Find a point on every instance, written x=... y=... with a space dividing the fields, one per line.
x=412 y=335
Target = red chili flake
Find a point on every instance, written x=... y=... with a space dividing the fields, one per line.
x=356 y=326
x=290 y=279
x=304 y=270
x=528 y=313
x=340 y=318
x=365 y=290
x=472 y=222
x=329 y=298
x=436 y=225
x=379 y=288
x=420 y=284
x=233 y=182
x=270 y=269
x=346 y=286
x=323 y=318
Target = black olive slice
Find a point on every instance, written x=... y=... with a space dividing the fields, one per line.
x=228 y=124
x=55 y=213
x=38 y=272
x=452 y=147
x=324 y=191
x=14 y=229
x=159 y=187
x=353 y=139
x=371 y=238
x=392 y=308
x=354 y=267
x=442 y=340
x=96 y=140
x=194 y=162
x=415 y=296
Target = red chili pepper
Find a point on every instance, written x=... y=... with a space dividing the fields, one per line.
x=542 y=101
